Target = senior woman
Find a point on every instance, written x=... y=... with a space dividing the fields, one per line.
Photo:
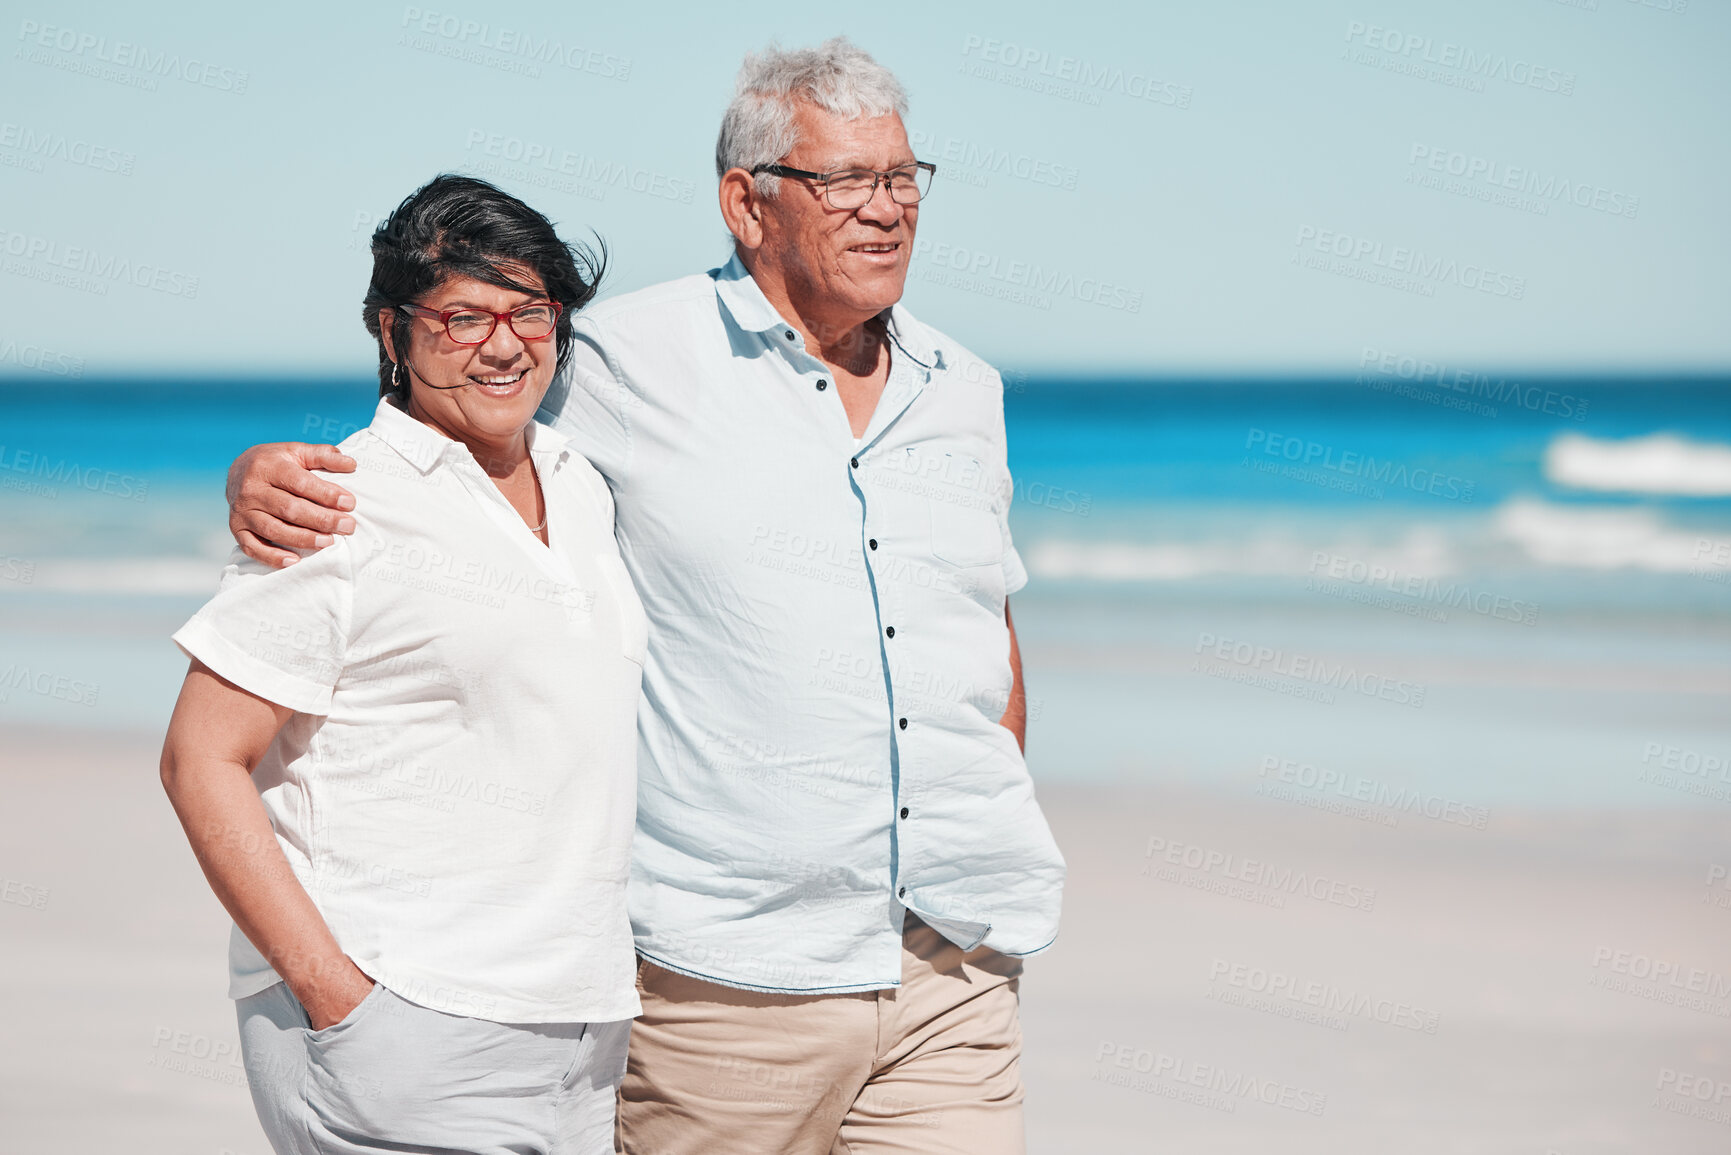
x=406 y=763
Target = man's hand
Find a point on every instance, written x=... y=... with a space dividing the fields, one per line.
x=276 y=505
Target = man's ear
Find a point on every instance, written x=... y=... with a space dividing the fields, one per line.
x=741 y=206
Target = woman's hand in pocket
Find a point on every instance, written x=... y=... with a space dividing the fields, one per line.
x=336 y=996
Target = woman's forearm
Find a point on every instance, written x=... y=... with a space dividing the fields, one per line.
x=217 y=735
x=232 y=838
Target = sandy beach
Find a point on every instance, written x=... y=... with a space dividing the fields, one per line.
x=1233 y=976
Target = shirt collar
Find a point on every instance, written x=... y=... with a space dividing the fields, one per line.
x=752 y=312
x=745 y=302
x=424 y=447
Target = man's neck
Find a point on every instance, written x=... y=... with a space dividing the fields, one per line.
x=847 y=339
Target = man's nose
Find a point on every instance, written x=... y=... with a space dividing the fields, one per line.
x=882 y=208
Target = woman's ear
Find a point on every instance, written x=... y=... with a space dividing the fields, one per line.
x=387 y=320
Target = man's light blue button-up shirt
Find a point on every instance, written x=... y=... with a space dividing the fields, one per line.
x=828 y=657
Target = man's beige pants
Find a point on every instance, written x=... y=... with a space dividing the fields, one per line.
x=933 y=1067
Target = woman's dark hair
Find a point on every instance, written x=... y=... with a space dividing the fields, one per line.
x=457 y=226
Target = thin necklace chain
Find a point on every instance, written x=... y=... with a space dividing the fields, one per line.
x=538 y=489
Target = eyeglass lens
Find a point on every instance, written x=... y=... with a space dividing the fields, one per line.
x=529 y=323
x=851 y=189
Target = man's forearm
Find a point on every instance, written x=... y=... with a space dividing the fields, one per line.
x=1015 y=718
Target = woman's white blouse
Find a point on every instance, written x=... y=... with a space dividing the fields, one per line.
x=457 y=787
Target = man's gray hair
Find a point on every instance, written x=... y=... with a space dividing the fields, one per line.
x=837 y=76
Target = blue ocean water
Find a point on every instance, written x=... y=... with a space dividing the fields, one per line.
x=1549 y=561
x=1175 y=441
x=1122 y=441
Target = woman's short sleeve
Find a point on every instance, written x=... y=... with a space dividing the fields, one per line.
x=281 y=634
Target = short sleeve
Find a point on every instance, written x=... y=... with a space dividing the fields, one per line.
x=278 y=633
x=1015 y=573
x=590 y=403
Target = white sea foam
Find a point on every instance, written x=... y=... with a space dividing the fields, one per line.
x=1422 y=552
x=1661 y=463
x=1582 y=537
x=1597 y=537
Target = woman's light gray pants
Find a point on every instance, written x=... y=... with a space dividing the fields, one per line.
x=398 y=1077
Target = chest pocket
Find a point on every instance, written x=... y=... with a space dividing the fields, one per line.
x=965 y=531
x=633 y=624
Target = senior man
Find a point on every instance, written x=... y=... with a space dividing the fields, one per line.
x=839 y=860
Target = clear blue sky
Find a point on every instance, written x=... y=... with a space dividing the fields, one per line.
x=1255 y=179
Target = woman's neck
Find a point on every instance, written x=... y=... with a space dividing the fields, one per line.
x=498 y=457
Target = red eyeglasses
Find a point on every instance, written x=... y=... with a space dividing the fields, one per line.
x=476 y=326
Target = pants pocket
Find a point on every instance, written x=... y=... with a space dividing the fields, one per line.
x=356 y=1013
x=404 y=1076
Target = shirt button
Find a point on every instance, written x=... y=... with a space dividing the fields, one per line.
x=873 y=543
x=855 y=462
x=822 y=385
x=904 y=812
x=788 y=333
x=889 y=631
x=902 y=893
x=902 y=722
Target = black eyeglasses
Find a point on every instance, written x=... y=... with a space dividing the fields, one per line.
x=852 y=188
